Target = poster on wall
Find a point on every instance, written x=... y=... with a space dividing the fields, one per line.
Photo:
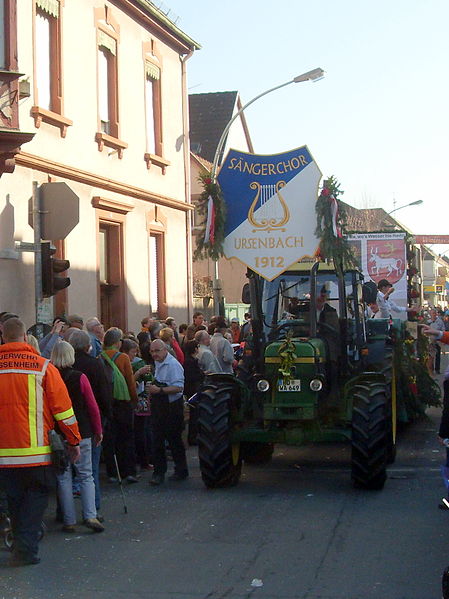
x=383 y=256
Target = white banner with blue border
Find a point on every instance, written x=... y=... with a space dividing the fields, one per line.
x=270 y=209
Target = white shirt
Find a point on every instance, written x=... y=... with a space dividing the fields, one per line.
x=387 y=306
x=171 y=373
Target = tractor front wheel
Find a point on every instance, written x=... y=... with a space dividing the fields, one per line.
x=220 y=459
x=369 y=436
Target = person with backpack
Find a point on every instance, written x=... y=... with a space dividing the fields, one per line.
x=119 y=435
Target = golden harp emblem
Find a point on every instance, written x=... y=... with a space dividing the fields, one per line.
x=271 y=216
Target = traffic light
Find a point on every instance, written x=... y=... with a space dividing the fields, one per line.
x=51 y=283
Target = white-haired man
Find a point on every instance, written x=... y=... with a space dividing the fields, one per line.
x=96 y=334
x=206 y=359
x=167 y=410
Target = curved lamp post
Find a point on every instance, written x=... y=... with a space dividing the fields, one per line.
x=313 y=75
x=416 y=203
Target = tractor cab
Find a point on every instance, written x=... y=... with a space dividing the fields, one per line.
x=311 y=303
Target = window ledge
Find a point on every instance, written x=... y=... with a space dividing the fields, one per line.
x=103 y=139
x=7 y=75
x=52 y=118
x=157 y=160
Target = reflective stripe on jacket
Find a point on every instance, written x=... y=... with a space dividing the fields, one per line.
x=32 y=397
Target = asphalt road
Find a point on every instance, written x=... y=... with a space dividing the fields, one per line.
x=296 y=526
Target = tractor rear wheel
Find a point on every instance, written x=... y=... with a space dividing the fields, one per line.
x=255 y=452
x=388 y=371
x=369 y=436
x=220 y=460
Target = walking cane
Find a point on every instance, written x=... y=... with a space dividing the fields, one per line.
x=121 y=484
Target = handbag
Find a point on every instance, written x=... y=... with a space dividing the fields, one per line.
x=59 y=455
x=143 y=407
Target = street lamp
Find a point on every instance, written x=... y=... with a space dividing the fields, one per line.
x=313 y=75
x=416 y=203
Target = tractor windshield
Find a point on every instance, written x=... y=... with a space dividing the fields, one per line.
x=288 y=297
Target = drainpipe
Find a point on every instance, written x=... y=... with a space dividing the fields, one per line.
x=186 y=150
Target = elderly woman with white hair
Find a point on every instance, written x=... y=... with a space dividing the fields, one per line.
x=89 y=423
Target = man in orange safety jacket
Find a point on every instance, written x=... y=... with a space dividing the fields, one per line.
x=33 y=398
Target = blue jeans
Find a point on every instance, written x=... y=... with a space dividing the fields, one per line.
x=96 y=455
x=83 y=469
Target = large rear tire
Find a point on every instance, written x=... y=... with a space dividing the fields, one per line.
x=369 y=436
x=220 y=460
x=389 y=374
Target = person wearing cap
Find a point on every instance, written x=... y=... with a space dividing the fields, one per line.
x=76 y=321
x=235 y=330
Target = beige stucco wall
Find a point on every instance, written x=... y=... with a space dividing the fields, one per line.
x=79 y=152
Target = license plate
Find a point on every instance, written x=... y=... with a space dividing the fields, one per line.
x=293 y=385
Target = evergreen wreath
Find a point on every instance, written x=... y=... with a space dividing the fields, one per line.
x=331 y=227
x=287 y=353
x=212 y=247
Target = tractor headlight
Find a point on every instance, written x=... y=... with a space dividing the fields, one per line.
x=316 y=384
x=263 y=385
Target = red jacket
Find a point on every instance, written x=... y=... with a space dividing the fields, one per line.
x=33 y=397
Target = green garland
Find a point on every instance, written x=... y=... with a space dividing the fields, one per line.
x=416 y=388
x=333 y=246
x=287 y=353
x=212 y=248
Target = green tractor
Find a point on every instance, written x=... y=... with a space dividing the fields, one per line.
x=314 y=370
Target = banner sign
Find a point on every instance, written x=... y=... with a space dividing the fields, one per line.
x=270 y=209
x=441 y=239
x=383 y=256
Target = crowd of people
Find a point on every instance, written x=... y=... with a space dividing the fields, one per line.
x=111 y=395
x=108 y=394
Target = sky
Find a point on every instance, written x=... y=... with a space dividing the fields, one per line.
x=378 y=121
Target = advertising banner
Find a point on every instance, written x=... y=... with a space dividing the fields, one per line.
x=270 y=209
x=383 y=256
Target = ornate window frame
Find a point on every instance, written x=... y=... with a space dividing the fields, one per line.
x=108 y=41
x=153 y=72
x=54 y=115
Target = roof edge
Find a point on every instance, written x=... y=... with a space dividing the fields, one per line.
x=151 y=9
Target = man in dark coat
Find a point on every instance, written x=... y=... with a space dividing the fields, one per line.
x=94 y=369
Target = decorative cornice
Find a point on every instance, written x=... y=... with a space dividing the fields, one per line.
x=74 y=174
x=111 y=205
